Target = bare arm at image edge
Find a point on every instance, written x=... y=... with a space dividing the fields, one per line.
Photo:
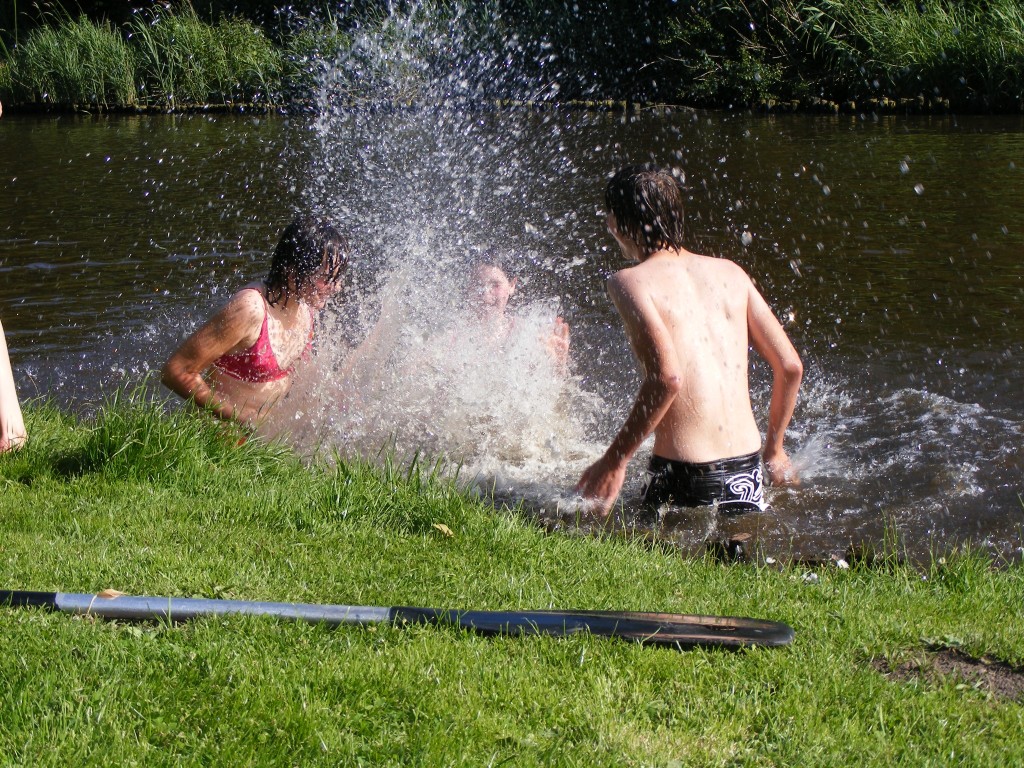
x=12 y=424
x=771 y=342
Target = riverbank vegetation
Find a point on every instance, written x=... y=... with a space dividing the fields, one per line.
x=795 y=54
x=882 y=670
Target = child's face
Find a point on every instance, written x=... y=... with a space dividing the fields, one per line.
x=322 y=288
x=491 y=289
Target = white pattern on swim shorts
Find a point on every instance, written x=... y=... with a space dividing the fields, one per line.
x=748 y=487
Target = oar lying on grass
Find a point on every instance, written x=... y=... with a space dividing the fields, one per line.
x=669 y=629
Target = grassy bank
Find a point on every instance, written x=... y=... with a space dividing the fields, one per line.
x=153 y=504
x=880 y=55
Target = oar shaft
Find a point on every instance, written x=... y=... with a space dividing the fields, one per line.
x=131 y=608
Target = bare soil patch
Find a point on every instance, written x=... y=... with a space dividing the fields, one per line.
x=996 y=677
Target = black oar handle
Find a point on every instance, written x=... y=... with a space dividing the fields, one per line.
x=649 y=628
x=25 y=599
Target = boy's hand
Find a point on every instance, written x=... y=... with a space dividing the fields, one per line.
x=601 y=483
x=780 y=469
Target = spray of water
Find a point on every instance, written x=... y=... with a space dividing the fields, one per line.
x=404 y=364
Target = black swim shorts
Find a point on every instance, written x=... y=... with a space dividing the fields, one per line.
x=735 y=485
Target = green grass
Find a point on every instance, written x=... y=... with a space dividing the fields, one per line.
x=185 y=62
x=970 y=53
x=154 y=503
x=967 y=55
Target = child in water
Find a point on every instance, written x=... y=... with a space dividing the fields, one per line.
x=241 y=362
x=490 y=289
x=690 y=319
x=12 y=425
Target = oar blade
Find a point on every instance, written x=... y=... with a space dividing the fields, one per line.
x=665 y=629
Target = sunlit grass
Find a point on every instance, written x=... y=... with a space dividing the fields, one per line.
x=970 y=55
x=151 y=501
x=310 y=48
x=186 y=62
x=726 y=53
x=970 y=52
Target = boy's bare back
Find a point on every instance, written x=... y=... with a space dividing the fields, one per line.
x=691 y=311
x=690 y=320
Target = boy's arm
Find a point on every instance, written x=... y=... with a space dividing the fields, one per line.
x=557 y=344
x=652 y=344
x=771 y=342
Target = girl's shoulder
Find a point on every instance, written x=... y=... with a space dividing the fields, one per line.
x=248 y=304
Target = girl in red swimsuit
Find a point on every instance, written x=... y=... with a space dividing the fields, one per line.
x=240 y=363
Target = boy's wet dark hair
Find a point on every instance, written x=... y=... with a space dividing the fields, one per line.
x=648 y=205
x=308 y=248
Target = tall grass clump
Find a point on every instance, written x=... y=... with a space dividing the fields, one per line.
x=75 y=62
x=255 y=65
x=6 y=80
x=311 y=46
x=970 y=54
x=414 y=499
x=133 y=438
x=184 y=61
x=732 y=52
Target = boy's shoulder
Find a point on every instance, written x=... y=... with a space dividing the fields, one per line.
x=722 y=268
x=651 y=268
x=709 y=271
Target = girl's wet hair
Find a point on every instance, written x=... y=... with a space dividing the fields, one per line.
x=648 y=205
x=309 y=248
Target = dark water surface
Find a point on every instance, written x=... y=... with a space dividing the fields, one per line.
x=893 y=246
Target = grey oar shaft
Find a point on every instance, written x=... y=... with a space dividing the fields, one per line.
x=186 y=608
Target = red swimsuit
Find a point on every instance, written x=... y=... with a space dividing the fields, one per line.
x=258 y=364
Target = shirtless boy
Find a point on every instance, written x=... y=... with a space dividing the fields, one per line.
x=689 y=319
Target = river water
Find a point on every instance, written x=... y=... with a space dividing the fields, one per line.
x=892 y=247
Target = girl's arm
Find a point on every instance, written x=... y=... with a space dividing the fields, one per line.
x=234 y=328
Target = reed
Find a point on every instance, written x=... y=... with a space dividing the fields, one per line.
x=76 y=62
x=311 y=46
x=184 y=61
x=969 y=53
x=717 y=53
x=6 y=79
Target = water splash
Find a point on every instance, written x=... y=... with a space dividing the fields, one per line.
x=404 y=366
